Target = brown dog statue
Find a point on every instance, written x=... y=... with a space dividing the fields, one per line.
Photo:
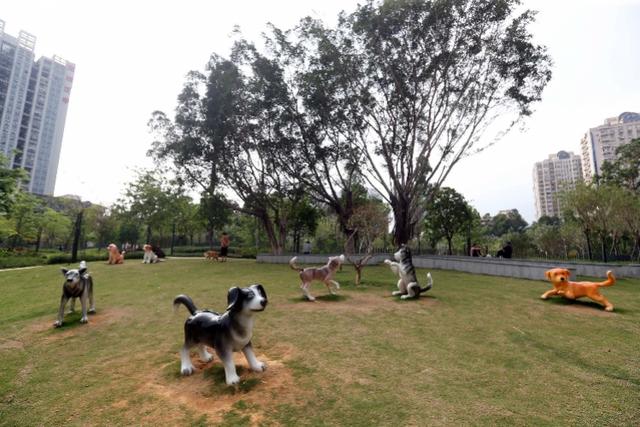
x=115 y=257
x=559 y=278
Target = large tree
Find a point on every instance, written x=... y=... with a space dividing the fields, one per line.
x=425 y=80
x=448 y=214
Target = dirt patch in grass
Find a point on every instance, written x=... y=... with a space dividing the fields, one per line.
x=205 y=392
x=72 y=325
x=11 y=345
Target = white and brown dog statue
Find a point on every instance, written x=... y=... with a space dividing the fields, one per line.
x=77 y=284
x=149 y=256
x=322 y=274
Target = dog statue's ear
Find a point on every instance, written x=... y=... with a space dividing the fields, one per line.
x=548 y=274
x=64 y=271
x=82 y=271
x=234 y=299
x=261 y=290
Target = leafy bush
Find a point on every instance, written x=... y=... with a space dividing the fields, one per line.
x=21 y=261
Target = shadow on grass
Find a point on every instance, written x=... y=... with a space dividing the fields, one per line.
x=324 y=298
x=214 y=375
x=585 y=305
x=70 y=321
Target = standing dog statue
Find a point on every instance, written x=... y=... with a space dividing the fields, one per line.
x=559 y=278
x=225 y=333
x=322 y=274
x=149 y=256
x=115 y=257
x=408 y=286
x=211 y=255
x=77 y=284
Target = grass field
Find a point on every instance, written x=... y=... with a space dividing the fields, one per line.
x=475 y=350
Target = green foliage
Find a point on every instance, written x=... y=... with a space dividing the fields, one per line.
x=625 y=170
x=9 y=179
x=506 y=222
x=447 y=214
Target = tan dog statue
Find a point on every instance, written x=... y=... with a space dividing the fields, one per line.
x=559 y=278
x=115 y=257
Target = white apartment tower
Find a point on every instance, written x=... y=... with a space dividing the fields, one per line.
x=551 y=176
x=599 y=144
x=34 y=96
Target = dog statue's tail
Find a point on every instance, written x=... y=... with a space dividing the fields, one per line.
x=188 y=302
x=429 y=283
x=292 y=264
x=611 y=279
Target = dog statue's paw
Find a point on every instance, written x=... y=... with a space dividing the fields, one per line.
x=310 y=298
x=84 y=319
x=233 y=379
x=543 y=297
x=394 y=293
x=406 y=297
x=92 y=311
x=608 y=308
x=57 y=324
x=260 y=367
x=387 y=261
x=187 y=370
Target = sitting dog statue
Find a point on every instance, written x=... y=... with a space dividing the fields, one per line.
x=408 y=286
x=77 y=284
x=225 y=333
x=322 y=274
x=211 y=255
x=559 y=278
x=149 y=256
x=115 y=257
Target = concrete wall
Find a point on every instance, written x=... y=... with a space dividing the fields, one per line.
x=491 y=266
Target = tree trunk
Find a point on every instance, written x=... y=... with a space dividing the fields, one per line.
x=588 y=237
x=604 y=248
x=449 y=239
x=38 y=240
x=271 y=233
x=76 y=237
x=148 y=235
x=402 y=222
x=358 y=268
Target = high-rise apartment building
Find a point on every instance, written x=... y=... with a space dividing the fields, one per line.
x=599 y=144
x=34 y=96
x=551 y=176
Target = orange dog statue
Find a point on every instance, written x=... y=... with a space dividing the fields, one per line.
x=115 y=257
x=559 y=278
x=211 y=255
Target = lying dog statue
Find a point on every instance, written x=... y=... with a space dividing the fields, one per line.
x=77 y=284
x=322 y=274
x=225 y=333
x=211 y=255
x=559 y=278
x=408 y=286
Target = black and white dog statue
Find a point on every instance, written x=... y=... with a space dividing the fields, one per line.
x=225 y=333
x=408 y=286
x=78 y=283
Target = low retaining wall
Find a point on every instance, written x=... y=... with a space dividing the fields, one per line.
x=491 y=266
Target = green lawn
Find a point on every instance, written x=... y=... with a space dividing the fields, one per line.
x=476 y=350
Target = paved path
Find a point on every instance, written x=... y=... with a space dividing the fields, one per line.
x=20 y=268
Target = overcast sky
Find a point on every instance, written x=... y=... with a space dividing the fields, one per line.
x=131 y=58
